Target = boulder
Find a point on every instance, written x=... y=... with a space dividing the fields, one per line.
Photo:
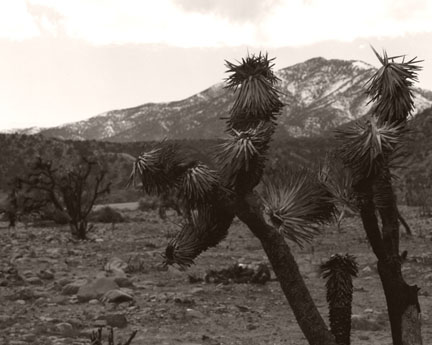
x=96 y=289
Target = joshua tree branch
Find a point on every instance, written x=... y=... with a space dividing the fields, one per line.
x=249 y=210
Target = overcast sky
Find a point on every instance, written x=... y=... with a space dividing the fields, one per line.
x=67 y=60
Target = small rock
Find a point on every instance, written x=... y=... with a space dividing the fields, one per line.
x=34 y=281
x=116 y=265
x=64 y=281
x=65 y=329
x=93 y=301
x=27 y=274
x=60 y=300
x=23 y=293
x=53 y=252
x=46 y=274
x=72 y=288
x=73 y=299
x=195 y=313
x=367 y=269
x=116 y=296
x=363 y=337
x=114 y=320
x=30 y=338
x=123 y=282
x=184 y=300
x=20 y=301
x=96 y=289
x=362 y=323
x=196 y=290
x=46 y=319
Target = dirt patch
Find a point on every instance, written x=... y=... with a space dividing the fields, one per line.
x=166 y=307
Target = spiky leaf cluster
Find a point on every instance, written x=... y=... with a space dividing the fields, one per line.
x=338 y=181
x=244 y=151
x=297 y=205
x=257 y=98
x=158 y=169
x=251 y=123
x=204 y=229
x=368 y=146
x=197 y=185
x=390 y=88
x=339 y=271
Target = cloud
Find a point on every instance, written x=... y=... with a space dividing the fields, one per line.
x=16 y=23
x=212 y=23
x=300 y=23
x=236 y=11
x=46 y=18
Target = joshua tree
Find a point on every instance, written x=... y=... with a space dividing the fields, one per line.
x=371 y=147
x=339 y=271
x=291 y=208
x=70 y=191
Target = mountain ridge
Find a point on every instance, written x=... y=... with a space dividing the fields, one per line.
x=319 y=94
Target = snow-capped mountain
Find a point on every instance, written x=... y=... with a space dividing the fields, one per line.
x=319 y=95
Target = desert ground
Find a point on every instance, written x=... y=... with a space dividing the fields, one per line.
x=43 y=268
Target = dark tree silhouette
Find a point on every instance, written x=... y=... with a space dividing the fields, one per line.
x=371 y=147
x=71 y=191
x=291 y=208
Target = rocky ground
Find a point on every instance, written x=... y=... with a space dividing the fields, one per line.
x=54 y=290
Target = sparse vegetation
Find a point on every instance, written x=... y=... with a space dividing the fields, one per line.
x=106 y=214
x=285 y=199
x=72 y=192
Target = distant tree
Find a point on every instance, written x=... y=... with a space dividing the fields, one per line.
x=71 y=191
x=19 y=204
x=371 y=148
x=292 y=207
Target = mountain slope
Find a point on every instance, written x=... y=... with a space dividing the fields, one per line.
x=319 y=95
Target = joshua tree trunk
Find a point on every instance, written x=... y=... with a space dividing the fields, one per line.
x=402 y=299
x=286 y=269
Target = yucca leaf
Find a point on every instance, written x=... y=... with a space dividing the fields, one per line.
x=338 y=180
x=159 y=169
x=198 y=185
x=206 y=228
x=390 y=88
x=244 y=151
x=297 y=205
x=367 y=146
x=256 y=97
x=339 y=267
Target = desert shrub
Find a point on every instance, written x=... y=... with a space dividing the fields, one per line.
x=58 y=217
x=148 y=203
x=70 y=190
x=106 y=215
